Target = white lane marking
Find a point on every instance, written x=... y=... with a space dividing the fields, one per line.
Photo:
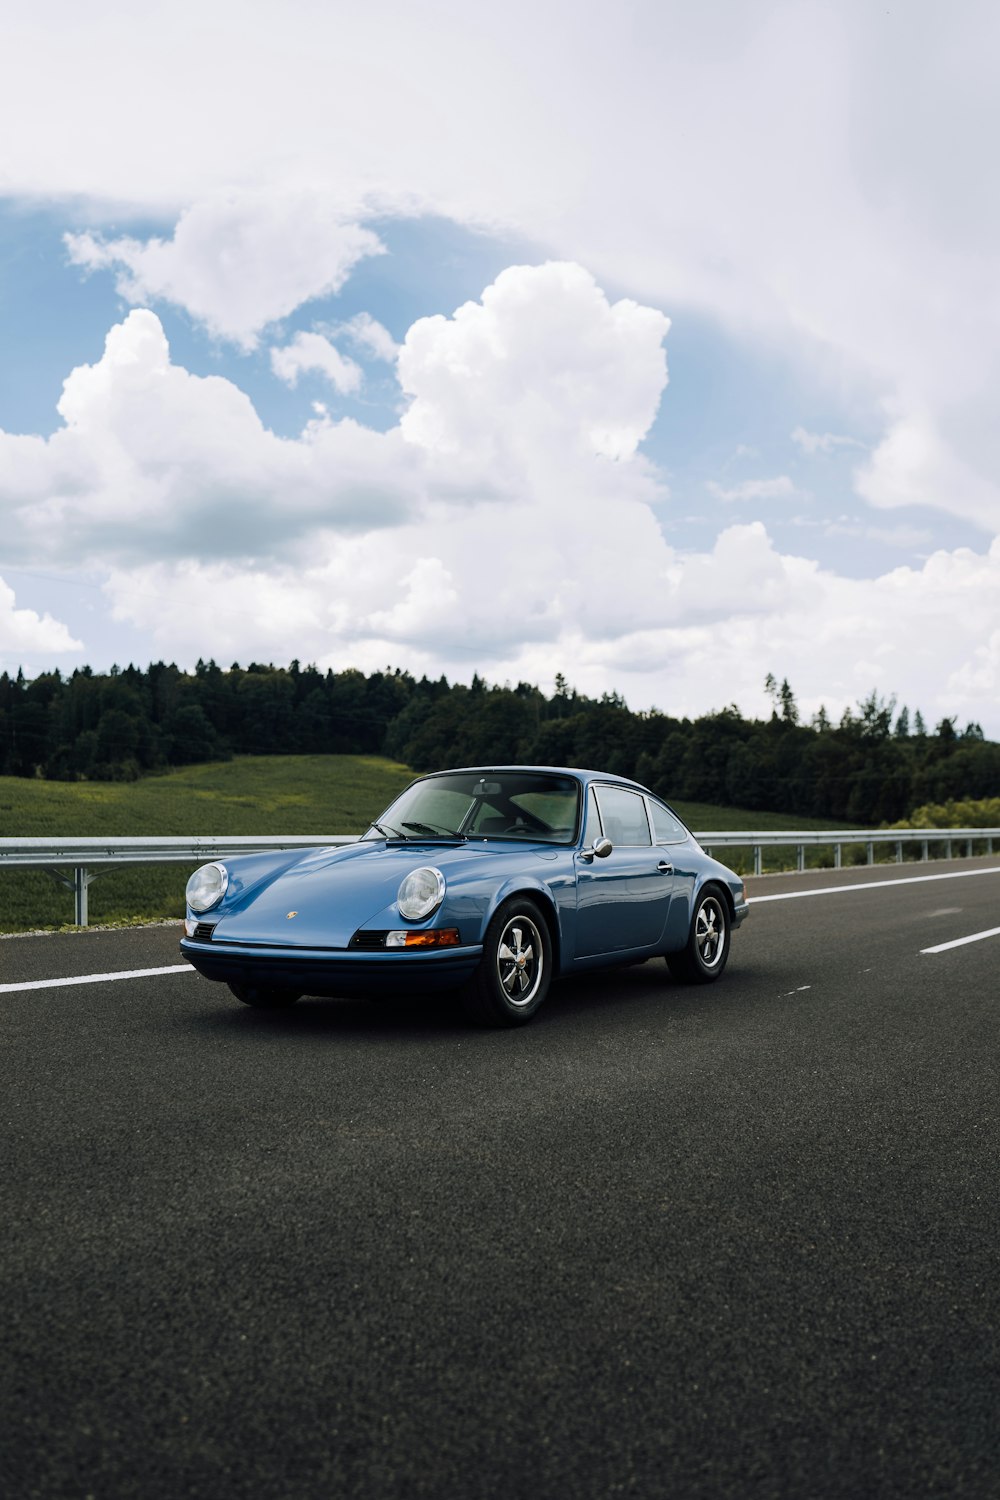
x=873 y=885
x=974 y=937
x=50 y=984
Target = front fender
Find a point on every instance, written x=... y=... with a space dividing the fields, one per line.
x=475 y=891
x=547 y=898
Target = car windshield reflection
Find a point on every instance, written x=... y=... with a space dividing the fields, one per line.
x=518 y=805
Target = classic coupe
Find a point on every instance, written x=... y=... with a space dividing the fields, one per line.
x=493 y=881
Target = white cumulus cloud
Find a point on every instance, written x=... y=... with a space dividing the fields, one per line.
x=24 y=633
x=506 y=525
x=928 y=634
x=368 y=334
x=685 y=631
x=153 y=459
x=313 y=351
x=237 y=262
x=776 y=168
x=915 y=465
x=543 y=360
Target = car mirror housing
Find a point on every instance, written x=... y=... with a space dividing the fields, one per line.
x=599 y=849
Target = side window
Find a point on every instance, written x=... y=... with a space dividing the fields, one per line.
x=592 y=824
x=666 y=828
x=623 y=814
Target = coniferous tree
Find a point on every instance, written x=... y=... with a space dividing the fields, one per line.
x=130 y=721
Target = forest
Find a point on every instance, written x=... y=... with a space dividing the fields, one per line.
x=874 y=765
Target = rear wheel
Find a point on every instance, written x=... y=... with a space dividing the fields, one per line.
x=263 y=996
x=516 y=968
x=704 y=957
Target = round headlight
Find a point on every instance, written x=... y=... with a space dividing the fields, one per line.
x=420 y=893
x=207 y=887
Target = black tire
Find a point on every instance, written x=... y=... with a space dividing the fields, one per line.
x=263 y=996
x=707 y=950
x=516 y=969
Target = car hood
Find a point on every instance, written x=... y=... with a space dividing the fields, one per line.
x=323 y=898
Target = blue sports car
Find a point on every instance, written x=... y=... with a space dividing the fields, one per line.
x=493 y=881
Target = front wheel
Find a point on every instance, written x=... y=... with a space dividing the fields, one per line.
x=516 y=968
x=263 y=996
x=704 y=957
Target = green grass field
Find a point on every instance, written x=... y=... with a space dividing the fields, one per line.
x=314 y=794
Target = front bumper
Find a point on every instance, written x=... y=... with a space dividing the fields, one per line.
x=741 y=912
x=334 y=971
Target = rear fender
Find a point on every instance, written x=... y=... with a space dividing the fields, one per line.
x=681 y=912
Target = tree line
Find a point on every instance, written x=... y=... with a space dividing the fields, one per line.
x=874 y=765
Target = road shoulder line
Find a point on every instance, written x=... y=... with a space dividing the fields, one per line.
x=51 y=984
x=873 y=885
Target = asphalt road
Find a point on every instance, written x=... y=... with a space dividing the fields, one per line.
x=736 y=1241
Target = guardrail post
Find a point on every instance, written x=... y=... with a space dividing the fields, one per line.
x=79 y=884
x=81 y=880
x=800 y=856
x=837 y=856
x=871 y=853
x=924 y=854
x=757 y=862
x=947 y=848
x=899 y=851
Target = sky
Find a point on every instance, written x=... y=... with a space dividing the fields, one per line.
x=650 y=344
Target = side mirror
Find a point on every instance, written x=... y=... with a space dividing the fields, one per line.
x=599 y=849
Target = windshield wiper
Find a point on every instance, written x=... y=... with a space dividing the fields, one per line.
x=386 y=833
x=434 y=831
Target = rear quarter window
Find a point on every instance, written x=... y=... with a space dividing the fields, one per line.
x=623 y=814
x=667 y=828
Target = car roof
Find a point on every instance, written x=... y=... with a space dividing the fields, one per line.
x=576 y=772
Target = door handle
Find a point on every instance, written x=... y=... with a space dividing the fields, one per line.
x=664 y=868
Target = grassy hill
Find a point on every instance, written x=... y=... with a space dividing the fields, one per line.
x=321 y=794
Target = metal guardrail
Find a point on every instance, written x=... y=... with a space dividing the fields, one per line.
x=89 y=857
x=837 y=839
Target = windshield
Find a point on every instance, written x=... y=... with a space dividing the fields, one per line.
x=531 y=805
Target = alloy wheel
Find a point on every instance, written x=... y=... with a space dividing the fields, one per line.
x=520 y=960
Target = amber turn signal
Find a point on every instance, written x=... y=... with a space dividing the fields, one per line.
x=430 y=937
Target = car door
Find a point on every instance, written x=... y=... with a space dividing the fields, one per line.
x=622 y=900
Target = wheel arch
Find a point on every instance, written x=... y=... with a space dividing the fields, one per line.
x=713 y=883
x=681 y=914
x=542 y=897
